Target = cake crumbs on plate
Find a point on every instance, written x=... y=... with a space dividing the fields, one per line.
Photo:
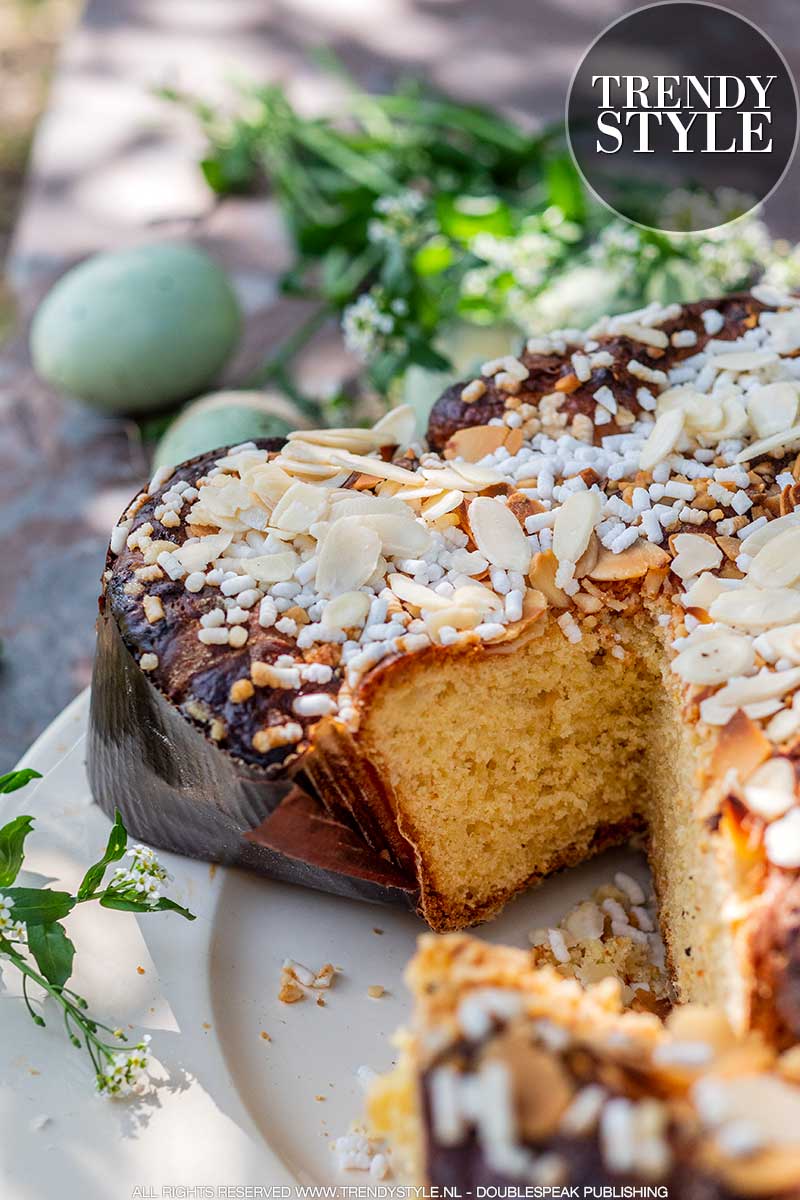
x=375 y=991
x=297 y=981
x=356 y=1151
x=612 y=934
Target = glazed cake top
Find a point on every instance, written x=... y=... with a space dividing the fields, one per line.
x=652 y=460
x=527 y=1077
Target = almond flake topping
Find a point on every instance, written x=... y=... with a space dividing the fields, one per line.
x=776 y=442
x=664 y=437
x=695 y=553
x=498 y=534
x=715 y=657
x=782 y=843
x=574 y=525
x=348 y=610
x=777 y=564
x=359 y=543
x=785 y=642
x=770 y=790
x=773 y=408
x=348 y=557
x=755 y=610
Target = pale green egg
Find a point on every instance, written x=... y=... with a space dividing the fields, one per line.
x=134 y=331
x=226 y=419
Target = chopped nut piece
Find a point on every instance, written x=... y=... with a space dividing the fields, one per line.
x=241 y=690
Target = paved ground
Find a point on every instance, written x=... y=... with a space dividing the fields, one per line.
x=113 y=166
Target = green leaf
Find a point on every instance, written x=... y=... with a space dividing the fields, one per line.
x=17 y=779
x=39 y=906
x=129 y=904
x=115 y=848
x=564 y=187
x=53 y=951
x=463 y=217
x=434 y=257
x=12 y=848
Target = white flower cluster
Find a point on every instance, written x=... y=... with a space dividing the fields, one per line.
x=368 y=326
x=126 y=1070
x=11 y=930
x=145 y=875
x=397 y=219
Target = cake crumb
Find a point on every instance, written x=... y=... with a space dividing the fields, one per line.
x=265 y=1037
x=297 y=981
x=612 y=934
x=290 y=991
x=375 y=991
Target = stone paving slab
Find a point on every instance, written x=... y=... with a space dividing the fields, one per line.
x=112 y=166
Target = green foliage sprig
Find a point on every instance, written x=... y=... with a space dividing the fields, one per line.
x=33 y=939
x=412 y=213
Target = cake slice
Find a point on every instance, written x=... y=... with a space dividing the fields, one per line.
x=513 y=1076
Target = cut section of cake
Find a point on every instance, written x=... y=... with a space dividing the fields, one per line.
x=514 y=1076
x=569 y=615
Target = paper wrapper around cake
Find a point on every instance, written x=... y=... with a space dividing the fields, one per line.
x=177 y=790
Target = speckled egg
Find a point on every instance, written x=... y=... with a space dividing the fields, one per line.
x=225 y=419
x=135 y=331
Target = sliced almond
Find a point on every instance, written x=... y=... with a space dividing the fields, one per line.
x=777 y=564
x=782 y=843
x=417 y=594
x=542 y=575
x=498 y=534
x=664 y=437
x=478 y=478
x=195 y=556
x=443 y=504
x=755 y=610
x=743 y=360
x=574 y=525
x=475 y=595
x=349 y=504
x=766 y=685
x=456 y=616
x=272 y=568
x=741 y=747
x=704 y=590
x=765 y=445
x=772 y=408
x=299 y=507
x=475 y=441
x=716 y=659
x=754 y=542
x=376 y=466
x=770 y=790
x=346 y=611
x=396 y=427
x=785 y=642
x=267 y=482
x=404 y=537
x=588 y=559
x=348 y=557
x=632 y=563
x=694 y=553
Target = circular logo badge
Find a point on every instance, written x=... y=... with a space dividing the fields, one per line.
x=682 y=116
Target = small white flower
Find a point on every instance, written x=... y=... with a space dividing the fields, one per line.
x=366 y=326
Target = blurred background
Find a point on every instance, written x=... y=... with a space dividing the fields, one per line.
x=100 y=151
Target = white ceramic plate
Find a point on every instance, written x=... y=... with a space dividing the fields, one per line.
x=228 y=1107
